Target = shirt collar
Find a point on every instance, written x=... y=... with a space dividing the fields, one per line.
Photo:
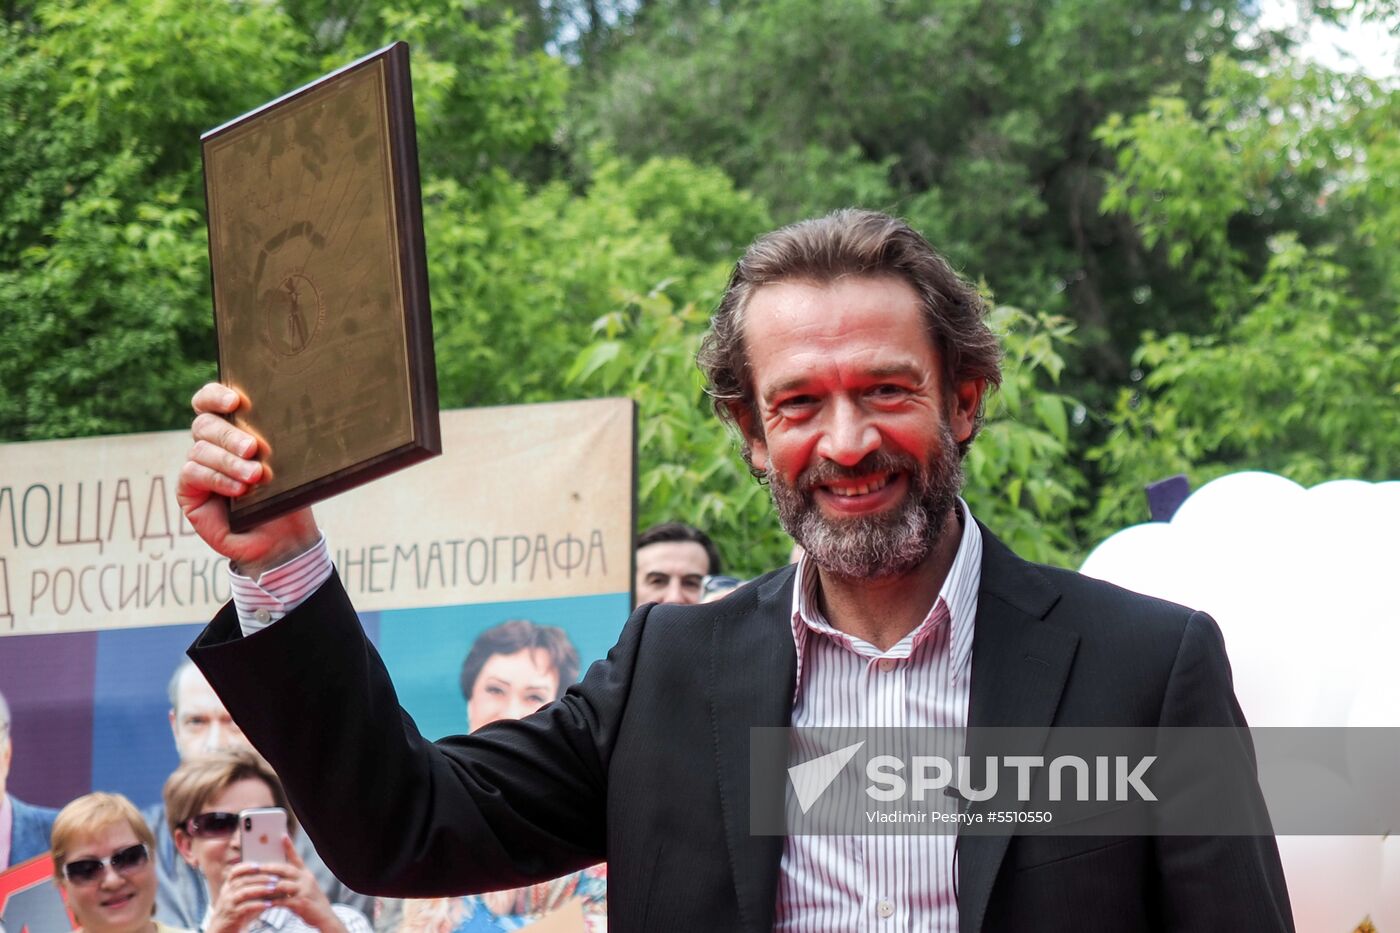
x=958 y=593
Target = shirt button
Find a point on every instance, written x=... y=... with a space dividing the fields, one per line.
x=263 y=616
x=887 y=664
x=885 y=909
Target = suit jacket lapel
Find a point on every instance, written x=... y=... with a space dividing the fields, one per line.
x=1019 y=667
x=752 y=677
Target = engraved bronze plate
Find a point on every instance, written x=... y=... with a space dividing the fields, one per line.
x=321 y=286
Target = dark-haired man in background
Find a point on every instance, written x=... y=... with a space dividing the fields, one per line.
x=853 y=362
x=673 y=560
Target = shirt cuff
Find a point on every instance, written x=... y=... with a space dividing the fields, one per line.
x=278 y=591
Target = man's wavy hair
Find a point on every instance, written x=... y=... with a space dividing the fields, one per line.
x=847 y=242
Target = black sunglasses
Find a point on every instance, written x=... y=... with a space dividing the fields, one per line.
x=212 y=825
x=123 y=862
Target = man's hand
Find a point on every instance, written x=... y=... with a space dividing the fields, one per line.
x=223 y=462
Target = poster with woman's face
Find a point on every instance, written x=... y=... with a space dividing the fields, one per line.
x=458 y=668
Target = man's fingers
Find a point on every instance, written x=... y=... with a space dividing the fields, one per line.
x=220 y=460
x=215 y=397
x=221 y=432
x=196 y=478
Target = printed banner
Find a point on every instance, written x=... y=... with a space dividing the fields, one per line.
x=526 y=518
x=29 y=898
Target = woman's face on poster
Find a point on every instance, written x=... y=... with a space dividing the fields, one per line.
x=512 y=686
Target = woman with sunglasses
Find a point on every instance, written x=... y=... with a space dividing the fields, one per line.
x=202 y=800
x=102 y=862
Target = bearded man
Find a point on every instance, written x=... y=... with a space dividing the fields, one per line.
x=853 y=362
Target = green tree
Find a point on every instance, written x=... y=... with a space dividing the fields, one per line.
x=103 y=291
x=1240 y=216
x=519 y=276
x=103 y=269
x=975 y=120
x=1300 y=373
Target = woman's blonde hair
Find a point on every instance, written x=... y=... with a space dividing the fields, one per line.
x=89 y=815
x=199 y=780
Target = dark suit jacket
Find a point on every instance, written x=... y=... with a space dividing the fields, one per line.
x=645 y=763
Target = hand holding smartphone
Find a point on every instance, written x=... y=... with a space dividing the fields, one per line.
x=260 y=834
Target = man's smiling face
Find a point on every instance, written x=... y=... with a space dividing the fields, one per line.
x=856 y=436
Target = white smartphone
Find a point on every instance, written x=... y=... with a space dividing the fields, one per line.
x=260 y=834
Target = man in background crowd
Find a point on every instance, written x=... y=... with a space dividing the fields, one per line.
x=673 y=559
x=200 y=725
x=24 y=828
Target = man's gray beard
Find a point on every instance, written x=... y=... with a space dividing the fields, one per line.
x=873 y=546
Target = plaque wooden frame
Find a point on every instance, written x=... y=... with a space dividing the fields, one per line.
x=338 y=446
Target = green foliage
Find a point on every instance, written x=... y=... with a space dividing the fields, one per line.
x=520 y=276
x=103 y=274
x=1264 y=154
x=481 y=104
x=103 y=328
x=972 y=119
x=102 y=257
x=1305 y=385
x=697 y=209
x=1019 y=478
x=1301 y=372
x=1202 y=233
x=160 y=72
x=1180 y=181
x=690 y=465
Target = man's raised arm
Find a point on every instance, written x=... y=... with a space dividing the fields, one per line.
x=516 y=803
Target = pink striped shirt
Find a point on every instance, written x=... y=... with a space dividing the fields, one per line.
x=880 y=882
x=278 y=591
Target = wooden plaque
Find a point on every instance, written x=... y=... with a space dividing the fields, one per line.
x=320 y=284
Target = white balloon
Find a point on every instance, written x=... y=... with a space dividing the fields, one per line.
x=1302 y=583
x=1238 y=498
x=1377 y=673
x=1333 y=881
x=1140 y=558
x=1305 y=585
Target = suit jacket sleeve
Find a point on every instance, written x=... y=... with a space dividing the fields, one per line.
x=1222 y=883
x=30 y=830
x=391 y=812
